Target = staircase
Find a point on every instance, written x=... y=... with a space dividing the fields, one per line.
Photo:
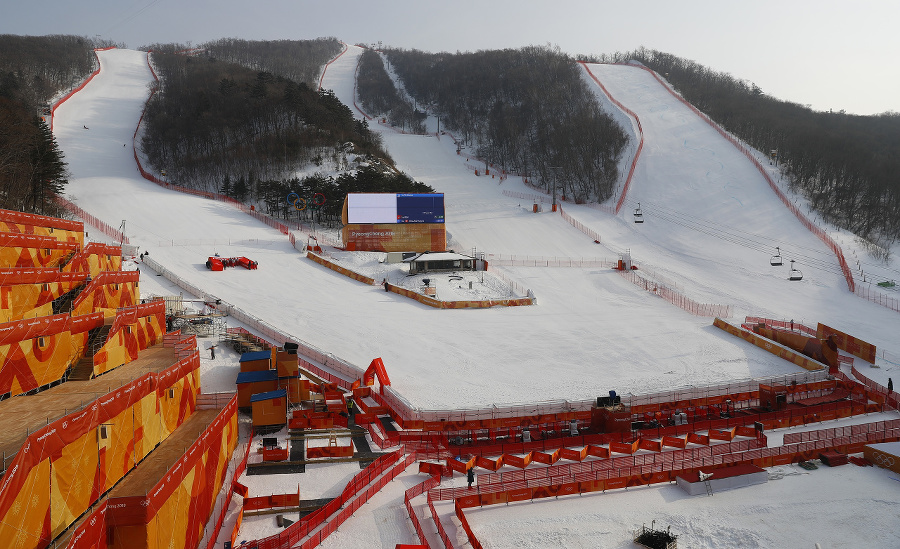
x=84 y=368
x=63 y=303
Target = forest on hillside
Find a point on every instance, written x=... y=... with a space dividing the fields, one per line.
x=845 y=164
x=34 y=69
x=381 y=98
x=222 y=127
x=525 y=110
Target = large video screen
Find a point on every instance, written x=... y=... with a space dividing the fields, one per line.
x=420 y=208
x=365 y=208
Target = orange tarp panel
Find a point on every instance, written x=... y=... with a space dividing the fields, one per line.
x=400 y=237
x=516 y=461
x=95 y=258
x=573 y=455
x=548 y=459
x=65 y=230
x=674 y=442
x=489 y=464
x=598 y=451
x=694 y=438
x=109 y=290
x=35 y=352
x=624 y=447
x=847 y=342
x=20 y=250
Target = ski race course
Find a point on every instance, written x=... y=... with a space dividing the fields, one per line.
x=711 y=224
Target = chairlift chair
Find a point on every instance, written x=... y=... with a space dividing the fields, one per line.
x=638 y=214
x=795 y=273
x=776 y=259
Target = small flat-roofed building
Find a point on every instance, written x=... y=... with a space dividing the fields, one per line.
x=430 y=262
x=256 y=360
x=269 y=409
x=251 y=383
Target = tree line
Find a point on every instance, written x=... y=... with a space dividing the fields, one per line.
x=371 y=177
x=296 y=60
x=222 y=127
x=33 y=70
x=846 y=165
x=211 y=119
x=526 y=110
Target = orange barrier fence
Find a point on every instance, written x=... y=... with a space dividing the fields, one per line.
x=677 y=298
x=429 y=483
x=342 y=270
x=318 y=452
x=592 y=234
x=92 y=221
x=271 y=502
x=458 y=511
x=310 y=530
x=837 y=432
x=869 y=293
x=437 y=304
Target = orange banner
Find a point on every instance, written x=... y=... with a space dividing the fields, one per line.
x=847 y=342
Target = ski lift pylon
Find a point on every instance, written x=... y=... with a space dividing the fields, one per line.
x=795 y=273
x=776 y=259
x=638 y=214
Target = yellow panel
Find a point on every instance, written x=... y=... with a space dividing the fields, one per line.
x=22 y=527
x=149 y=423
x=119 y=458
x=72 y=481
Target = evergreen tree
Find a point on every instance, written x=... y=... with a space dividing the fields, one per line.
x=240 y=189
x=48 y=170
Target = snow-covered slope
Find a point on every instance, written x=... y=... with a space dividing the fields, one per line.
x=591 y=331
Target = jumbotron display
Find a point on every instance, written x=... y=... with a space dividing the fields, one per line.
x=366 y=208
x=394 y=222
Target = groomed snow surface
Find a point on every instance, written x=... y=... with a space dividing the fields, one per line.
x=711 y=224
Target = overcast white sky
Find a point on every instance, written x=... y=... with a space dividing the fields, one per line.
x=826 y=54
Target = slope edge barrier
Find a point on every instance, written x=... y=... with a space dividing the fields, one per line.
x=677 y=298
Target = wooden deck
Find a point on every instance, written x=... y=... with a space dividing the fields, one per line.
x=148 y=473
x=25 y=414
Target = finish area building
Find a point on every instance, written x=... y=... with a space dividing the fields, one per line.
x=394 y=222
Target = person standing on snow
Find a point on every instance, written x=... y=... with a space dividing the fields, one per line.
x=470 y=476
